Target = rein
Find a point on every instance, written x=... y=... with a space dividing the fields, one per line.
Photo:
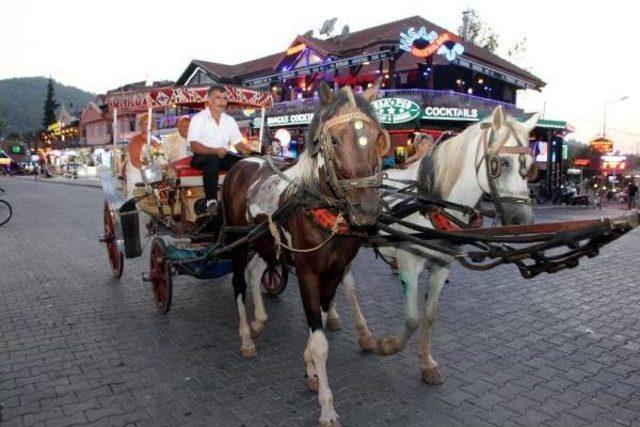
x=324 y=144
x=274 y=229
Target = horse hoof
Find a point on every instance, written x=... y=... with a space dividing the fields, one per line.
x=329 y=418
x=313 y=384
x=249 y=351
x=333 y=324
x=387 y=345
x=257 y=327
x=367 y=342
x=433 y=376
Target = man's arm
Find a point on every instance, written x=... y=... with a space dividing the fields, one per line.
x=237 y=141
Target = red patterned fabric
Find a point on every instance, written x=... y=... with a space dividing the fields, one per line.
x=441 y=222
x=326 y=219
x=183 y=168
x=140 y=100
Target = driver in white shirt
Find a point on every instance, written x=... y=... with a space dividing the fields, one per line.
x=213 y=136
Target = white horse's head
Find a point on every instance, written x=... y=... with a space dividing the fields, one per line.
x=504 y=165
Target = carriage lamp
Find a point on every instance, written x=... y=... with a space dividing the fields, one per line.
x=358 y=124
x=189 y=193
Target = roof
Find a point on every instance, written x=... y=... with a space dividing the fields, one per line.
x=140 y=85
x=389 y=33
x=355 y=43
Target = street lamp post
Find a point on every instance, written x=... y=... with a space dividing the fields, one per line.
x=604 y=116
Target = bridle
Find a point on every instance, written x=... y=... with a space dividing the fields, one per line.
x=491 y=159
x=324 y=143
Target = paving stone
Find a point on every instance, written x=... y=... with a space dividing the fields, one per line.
x=82 y=348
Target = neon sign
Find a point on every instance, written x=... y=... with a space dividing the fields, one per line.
x=295 y=49
x=603 y=145
x=582 y=161
x=613 y=164
x=423 y=44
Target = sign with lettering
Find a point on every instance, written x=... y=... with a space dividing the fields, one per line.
x=296 y=49
x=289 y=120
x=450 y=113
x=603 y=145
x=613 y=164
x=582 y=161
x=395 y=110
x=424 y=44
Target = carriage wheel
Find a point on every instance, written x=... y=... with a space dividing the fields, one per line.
x=161 y=280
x=116 y=257
x=274 y=279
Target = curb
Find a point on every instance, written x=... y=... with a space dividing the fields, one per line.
x=53 y=181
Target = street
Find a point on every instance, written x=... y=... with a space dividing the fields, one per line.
x=77 y=347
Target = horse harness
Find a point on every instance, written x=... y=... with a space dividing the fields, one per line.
x=491 y=159
x=324 y=143
x=323 y=217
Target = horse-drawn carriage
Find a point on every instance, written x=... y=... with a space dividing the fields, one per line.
x=166 y=199
x=317 y=214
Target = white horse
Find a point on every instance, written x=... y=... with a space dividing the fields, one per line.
x=491 y=157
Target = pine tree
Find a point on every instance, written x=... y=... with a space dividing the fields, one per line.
x=50 y=106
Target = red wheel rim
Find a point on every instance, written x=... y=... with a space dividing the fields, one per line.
x=160 y=277
x=113 y=252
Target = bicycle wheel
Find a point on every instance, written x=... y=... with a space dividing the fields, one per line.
x=5 y=212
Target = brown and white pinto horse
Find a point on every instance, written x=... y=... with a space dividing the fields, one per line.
x=341 y=163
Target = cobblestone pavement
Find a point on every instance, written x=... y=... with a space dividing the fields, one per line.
x=77 y=347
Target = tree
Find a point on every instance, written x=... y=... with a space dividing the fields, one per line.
x=50 y=106
x=517 y=52
x=14 y=136
x=480 y=33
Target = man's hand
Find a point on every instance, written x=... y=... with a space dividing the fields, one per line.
x=221 y=152
x=243 y=148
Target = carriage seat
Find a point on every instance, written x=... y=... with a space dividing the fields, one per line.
x=190 y=176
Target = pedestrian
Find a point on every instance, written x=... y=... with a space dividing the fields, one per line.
x=632 y=194
x=422 y=143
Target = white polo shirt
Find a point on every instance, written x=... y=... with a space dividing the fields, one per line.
x=204 y=129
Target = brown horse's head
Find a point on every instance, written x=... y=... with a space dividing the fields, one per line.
x=349 y=142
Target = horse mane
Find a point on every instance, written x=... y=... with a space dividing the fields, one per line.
x=305 y=172
x=441 y=167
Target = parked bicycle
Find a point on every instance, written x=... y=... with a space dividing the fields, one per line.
x=5 y=210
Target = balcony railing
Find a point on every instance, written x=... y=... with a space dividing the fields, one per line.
x=423 y=97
